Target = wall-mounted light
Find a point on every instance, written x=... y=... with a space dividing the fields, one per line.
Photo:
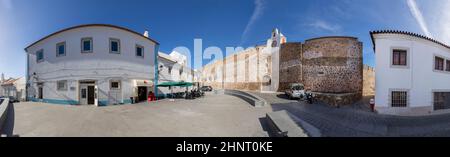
x=34 y=76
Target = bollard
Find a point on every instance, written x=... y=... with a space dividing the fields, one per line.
x=372 y=105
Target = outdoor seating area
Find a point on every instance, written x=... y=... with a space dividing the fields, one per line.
x=187 y=94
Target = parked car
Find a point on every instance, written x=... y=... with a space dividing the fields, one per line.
x=13 y=99
x=206 y=88
x=295 y=91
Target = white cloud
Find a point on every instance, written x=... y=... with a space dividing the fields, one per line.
x=6 y=4
x=260 y=5
x=323 y=25
x=417 y=14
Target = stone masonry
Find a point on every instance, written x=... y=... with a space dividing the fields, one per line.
x=242 y=71
x=333 y=65
x=290 y=64
x=369 y=81
x=329 y=66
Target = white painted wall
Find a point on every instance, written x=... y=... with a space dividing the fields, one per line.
x=16 y=89
x=164 y=76
x=20 y=85
x=419 y=78
x=100 y=65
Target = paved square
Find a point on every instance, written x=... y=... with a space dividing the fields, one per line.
x=213 y=115
x=357 y=120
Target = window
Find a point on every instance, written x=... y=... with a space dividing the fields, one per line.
x=441 y=100
x=399 y=99
x=115 y=84
x=139 y=51
x=170 y=69
x=438 y=63
x=83 y=93
x=61 y=85
x=40 y=56
x=447 y=65
x=86 y=45
x=399 y=57
x=114 y=46
x=61 y=49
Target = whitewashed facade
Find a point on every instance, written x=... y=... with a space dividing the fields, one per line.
x=412 y=74
x=14 y=87
x=173 y=67
x=93 y=64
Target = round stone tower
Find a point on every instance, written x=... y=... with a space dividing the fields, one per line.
x=333 y=65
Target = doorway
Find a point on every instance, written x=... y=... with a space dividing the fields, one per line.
x=88 y=94
x=142 y=93
x=40 y=92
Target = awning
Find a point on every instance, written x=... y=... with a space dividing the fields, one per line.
x=146 y=83
x=175 y=84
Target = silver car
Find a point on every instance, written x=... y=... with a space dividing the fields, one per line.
x=295 y=91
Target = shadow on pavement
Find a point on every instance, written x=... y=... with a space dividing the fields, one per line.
x=282 y=96
x=265 y=126
x=8 y=127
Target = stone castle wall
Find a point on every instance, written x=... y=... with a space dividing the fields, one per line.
x=290 y=65
x=241 y=71
x=329 y=65
x=369 y=81
x=333 y=65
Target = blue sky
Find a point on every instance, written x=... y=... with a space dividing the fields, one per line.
x=220 y=23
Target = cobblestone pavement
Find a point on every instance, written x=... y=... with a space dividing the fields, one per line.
x=213 y=115
x=357 y=120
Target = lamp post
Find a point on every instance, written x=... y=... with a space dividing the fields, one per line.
x=32 y=79
x=158 y=69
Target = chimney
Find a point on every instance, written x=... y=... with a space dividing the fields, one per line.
x=146 y=33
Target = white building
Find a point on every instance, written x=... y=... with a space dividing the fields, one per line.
x=173 y=68
x=14 y=87
x=412 y=74
x=2 y=79
x=93 y=64
x=179 y=58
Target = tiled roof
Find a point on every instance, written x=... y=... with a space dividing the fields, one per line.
x=405 y=33
x=9 y=81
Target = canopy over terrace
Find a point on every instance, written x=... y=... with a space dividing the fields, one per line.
x=175 y=84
